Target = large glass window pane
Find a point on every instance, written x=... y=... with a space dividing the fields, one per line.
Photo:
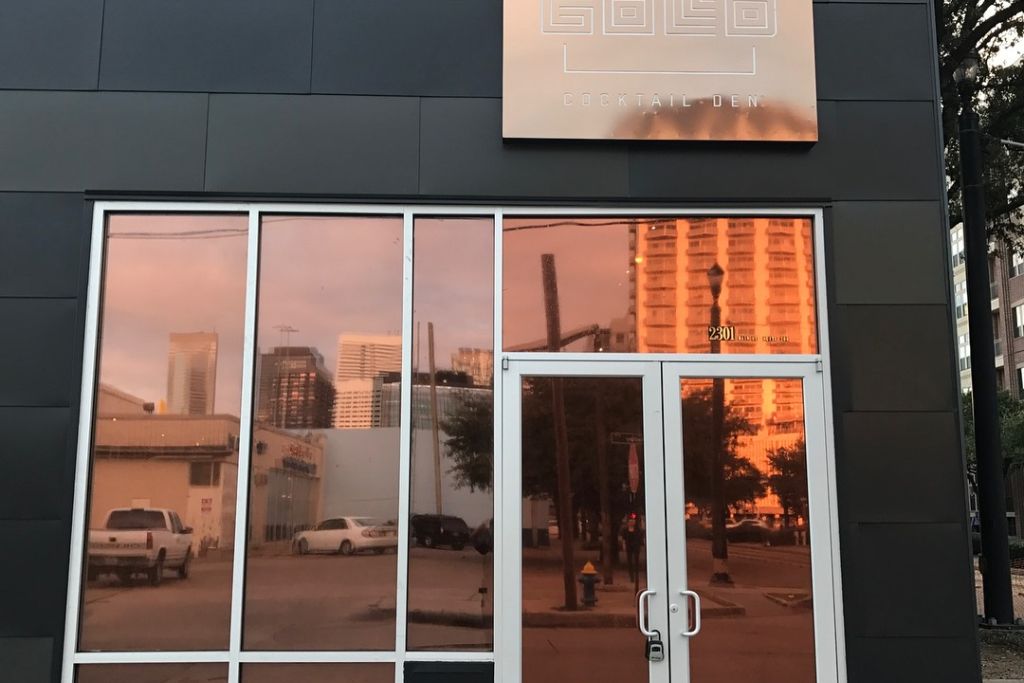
x=164 y=466
x=323 y=500
x=450 y=559
x=318 y=673
x=585 y=513
x=660 y=285
x=748 y=547
x=152 y=673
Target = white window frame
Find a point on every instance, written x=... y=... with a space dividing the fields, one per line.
x=956 y=240
x=235 y=656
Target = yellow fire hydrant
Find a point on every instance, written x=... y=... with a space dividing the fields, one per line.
x=588 y=578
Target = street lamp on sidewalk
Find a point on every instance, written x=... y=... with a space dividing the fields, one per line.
x=995 y=552
x=719 y=546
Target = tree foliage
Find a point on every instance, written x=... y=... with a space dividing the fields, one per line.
x=788 y=479
x=988 y=28
x=744 y=482
x=1011 y=433
x=470 y=441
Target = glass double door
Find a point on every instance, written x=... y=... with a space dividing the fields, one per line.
x=658 y=519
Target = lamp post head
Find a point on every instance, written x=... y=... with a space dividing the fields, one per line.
x=966 y=78
x=966 y=74
x=715 y=276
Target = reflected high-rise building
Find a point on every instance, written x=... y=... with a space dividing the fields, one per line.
x=295 y=389
x=362 y=359
x=477 y=363
x=767 y=294
x=192 y=373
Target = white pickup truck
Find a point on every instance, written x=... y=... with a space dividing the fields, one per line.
x=140 y=541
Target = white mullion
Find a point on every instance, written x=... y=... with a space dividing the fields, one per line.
x=158 y=657
x=318 y=657
x=498 y=540
x=824 y=348
x=405 y=451
x=90 y=371
x=244 y=446
x=509 y=651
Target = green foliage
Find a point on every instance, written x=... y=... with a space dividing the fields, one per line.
x=1011 y=432
x=987 y=27
x=470 y=442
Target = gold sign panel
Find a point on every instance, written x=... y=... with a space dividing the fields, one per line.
x=660 y=70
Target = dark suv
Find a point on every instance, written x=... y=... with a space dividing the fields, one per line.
x=431 y=531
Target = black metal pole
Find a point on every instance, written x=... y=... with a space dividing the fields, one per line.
x=719 y=545
x=995 y=551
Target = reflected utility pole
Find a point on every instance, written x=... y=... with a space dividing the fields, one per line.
x=434 y=427
x=565 y=521
x=719 y=543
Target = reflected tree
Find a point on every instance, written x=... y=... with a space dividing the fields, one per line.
x=744 y=482
x=470 y=442
x=788 y=479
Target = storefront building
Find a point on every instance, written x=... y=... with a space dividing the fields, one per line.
x=603 y=340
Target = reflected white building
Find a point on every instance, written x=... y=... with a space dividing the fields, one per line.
x=192 y=373
x=361 y=359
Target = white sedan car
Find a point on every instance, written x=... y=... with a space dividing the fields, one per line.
x=346 y=535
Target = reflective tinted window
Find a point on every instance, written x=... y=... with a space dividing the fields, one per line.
x=659 y=285
x=152 y=673
x=324 y=446
x=168 y=396
x=450 y=559
x=748 y=539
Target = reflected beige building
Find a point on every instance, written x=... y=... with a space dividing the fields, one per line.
x=189 y=464
x=192 y=373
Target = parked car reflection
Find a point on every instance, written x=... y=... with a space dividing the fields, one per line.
x=347 y=536
x=431 y=531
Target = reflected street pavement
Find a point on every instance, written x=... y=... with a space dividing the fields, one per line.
x=301 y=598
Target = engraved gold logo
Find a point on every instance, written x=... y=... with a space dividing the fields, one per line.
x=659 y=69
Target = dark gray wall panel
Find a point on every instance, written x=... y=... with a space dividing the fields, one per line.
x=41 y=241
x=449 y=672
x=463 y=155
x=900 y=467
x=309 y=145
x=34 y=589
x=891 y=69
x=33 y=459
x=37 y=352
x=892 y=358
x=906 y=660
x=26 y=660
x=407 y=47
x=892 y=586
x=75 y=141
x=889 y=253
x=867 y=150
x=50 y=44
x=207 y=45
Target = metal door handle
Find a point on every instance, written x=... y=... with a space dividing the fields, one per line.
x=696 y=614
x=641 y=614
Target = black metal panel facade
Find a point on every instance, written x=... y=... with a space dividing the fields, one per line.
x=407 y=107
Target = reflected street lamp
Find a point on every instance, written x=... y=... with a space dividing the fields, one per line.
x=995 y=552
x=719 y=546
